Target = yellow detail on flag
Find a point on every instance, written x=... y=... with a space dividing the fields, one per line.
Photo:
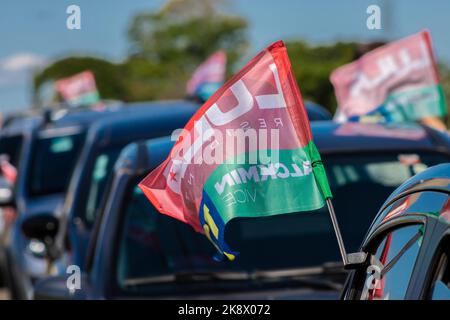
x=209 y=220
x=230 y=256
x=206 y=229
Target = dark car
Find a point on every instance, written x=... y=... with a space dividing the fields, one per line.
x=48 y=145
x=137 y=252
x=407 y=247
x=316 y=112
x=16 y=128
x=104 y=143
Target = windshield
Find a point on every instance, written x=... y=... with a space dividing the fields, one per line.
x=152 y=244
x=52 y=163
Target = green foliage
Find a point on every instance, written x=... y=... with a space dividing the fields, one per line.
x=166 y=47
x=184 y=33
x=312 y=66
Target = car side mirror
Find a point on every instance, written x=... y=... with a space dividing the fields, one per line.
x=56 y=288
x=356 y=260
x=42 y=227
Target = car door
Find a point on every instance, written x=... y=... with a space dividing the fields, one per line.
x=438 y=286
x=399 y=249
x=435 y=281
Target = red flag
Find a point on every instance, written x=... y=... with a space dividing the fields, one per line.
x=210 y=71
x=393 y=83
x=8 y=171
x=79 y=89
x=262 y=96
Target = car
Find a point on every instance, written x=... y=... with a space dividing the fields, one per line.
x=407 y=247
x=45 y=147
x=14 y=132
x=136 y=252
x=316 y=112
x=104 y=142
x=47 y=204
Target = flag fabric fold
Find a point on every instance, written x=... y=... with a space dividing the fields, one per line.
x=247 y=152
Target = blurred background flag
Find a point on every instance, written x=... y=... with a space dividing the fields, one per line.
x=7 y=170
x=393 y=83
x=79 y=89
x=208 y=77
x=208 y=195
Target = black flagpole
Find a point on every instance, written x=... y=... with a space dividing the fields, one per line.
x=337 y=231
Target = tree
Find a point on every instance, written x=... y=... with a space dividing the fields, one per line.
x=312 y=66
x=166 y=47
x=183 y=33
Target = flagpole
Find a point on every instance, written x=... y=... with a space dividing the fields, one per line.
x=337 y=231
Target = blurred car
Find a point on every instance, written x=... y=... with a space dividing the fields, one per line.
x=12 y=136
x=408 y=244
x=50 y=143
x=104 y=142
x=316 y=112
x=136 y=252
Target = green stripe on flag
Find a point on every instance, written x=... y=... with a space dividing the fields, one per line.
x=289 y=184
x=417 y=103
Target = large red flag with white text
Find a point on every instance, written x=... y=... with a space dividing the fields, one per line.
x=247 y=152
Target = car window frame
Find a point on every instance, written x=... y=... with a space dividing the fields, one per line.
x=77 y=132
x=437 y=230
x=441 y=237
x=435 y=268
x=376 y=238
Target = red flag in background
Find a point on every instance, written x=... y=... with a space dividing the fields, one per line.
x=79 y=90
x=8 y=171
x=393 y=83
x=210 y=73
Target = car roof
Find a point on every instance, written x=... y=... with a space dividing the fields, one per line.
x=135 y=122
x=329 y=137
x=140 y=157
x=316 y=112
x=51 y=119
x=436 y=178
x=333 y=137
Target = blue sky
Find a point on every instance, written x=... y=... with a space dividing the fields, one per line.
x=34 y=32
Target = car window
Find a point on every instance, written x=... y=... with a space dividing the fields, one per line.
x=52 y=163
x=11 y=146
x=98 y=178
x=397 y=254
x=440 y=287
x=354 y=177
x=426 y=202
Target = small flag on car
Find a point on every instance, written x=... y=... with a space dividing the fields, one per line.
x=7 y=170
x=79 y=90
x=393 y=83
x=208 y=77
x=208 y=181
